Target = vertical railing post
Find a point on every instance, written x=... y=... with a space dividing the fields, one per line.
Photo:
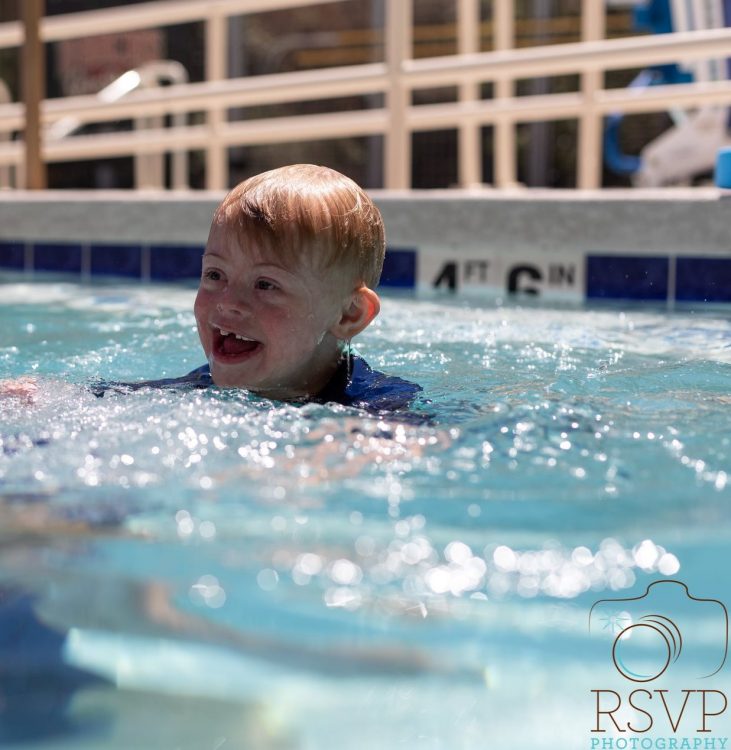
x=505 y=150
x=469 y=167
x=34 y=88
x=216 y=70
x=397 y=154
x=149 y=168
x=5 y=98
x=589 y=148
x=179 y=170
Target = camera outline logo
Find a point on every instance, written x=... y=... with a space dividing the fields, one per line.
x=659 y=631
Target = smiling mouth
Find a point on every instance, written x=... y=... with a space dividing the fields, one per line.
x=233 y=347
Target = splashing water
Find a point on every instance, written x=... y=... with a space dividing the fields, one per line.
x=283 y=566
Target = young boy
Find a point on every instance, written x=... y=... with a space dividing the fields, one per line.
x=288 y=273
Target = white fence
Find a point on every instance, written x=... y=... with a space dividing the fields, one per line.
x=396 y=77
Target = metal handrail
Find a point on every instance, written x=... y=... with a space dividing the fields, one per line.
x=396 y=77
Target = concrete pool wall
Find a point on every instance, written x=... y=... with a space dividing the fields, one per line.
x=658 y=246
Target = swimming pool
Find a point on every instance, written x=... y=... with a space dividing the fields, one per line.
x=209 y=569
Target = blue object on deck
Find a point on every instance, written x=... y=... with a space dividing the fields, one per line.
x=656 y=17
x=723 y=168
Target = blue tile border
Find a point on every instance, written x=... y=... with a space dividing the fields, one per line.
x=116 y=260
x=160 y=262
x=133 y=261
x=58 y=256
x=399 y=268
x=699 y=279
x=627 y=277
x=12 y=255
x=175 y=262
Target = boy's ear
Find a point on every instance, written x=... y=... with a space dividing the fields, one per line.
x=364 y=305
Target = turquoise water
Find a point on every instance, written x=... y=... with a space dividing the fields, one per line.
x=210 y=570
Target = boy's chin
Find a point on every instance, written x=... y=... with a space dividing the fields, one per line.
x=229 y=380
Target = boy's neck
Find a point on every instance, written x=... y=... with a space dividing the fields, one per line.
x=312 y=388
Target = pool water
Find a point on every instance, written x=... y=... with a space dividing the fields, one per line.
x=208 y=569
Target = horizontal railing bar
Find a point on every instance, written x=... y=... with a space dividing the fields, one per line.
x=105 y=145
x=567 y=106
x=277 y=88
x=452 y=114
x=661 y=98
x=142 y=16
x=253 y=132
x=12 y=117
x=371 y=122
x=607 y=54
x=557 y=107
x=356 y=123
x=11 y=34
x=68 y=25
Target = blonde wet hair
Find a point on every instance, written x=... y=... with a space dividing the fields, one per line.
x=307 y=213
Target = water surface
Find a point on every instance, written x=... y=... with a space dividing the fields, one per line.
x=212 y=569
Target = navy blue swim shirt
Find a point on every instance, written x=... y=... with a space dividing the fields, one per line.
x=353 y=384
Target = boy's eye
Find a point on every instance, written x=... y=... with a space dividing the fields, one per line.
x=265 y=284
x=212 y=275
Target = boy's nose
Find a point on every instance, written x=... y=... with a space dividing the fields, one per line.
x=228 y=307
x=232 y=304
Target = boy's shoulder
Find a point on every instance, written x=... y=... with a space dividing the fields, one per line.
x=198 y=378
x=357 y=384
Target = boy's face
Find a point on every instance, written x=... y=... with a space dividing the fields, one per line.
x=278 y=319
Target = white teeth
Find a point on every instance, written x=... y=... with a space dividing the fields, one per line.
x=229 y=333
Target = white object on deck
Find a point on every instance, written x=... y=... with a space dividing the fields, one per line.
x=689 y=148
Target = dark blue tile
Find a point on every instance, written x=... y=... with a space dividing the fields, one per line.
x=399 y=268
x=61 y=257
x=116 y=260
x=12 y=255
x=639 y=277
x=170 y=262
x=703 y=280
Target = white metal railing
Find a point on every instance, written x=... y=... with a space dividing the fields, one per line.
x=396 y=77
